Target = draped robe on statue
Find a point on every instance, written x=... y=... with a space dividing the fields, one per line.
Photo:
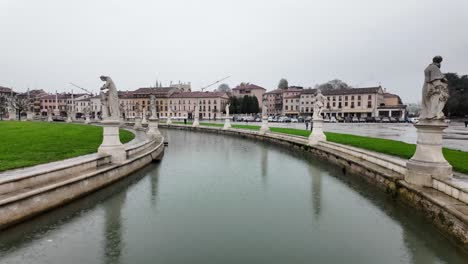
x=434 y=93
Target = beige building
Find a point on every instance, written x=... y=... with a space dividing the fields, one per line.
x=250 y=90
x=211 y=104
x=278 y=100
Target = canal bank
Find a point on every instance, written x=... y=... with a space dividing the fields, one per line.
x=445 y=205
x=25 y=193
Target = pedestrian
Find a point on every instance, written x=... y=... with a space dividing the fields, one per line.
x=466 y=123
x=185 y=121
x=307 y=125
x=311 y=125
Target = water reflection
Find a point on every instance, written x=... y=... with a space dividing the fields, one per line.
x=154 y=185
x=264 y=167
x=113 y=242
x=316 y=189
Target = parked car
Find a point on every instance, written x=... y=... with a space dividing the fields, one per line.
x=392 y=119
x=300 y=119
x=377 y=119
x=333 y=119
x=370 y=119
x=294 y=120
x=270 y=119
x=348 y=119
x=258 y=119
x=385 y=119
x=355 y=119
x=362 y=119
x=339 y=119
x=402 y=120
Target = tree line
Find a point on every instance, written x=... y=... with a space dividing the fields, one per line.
x=457 y=104
x=243 y=105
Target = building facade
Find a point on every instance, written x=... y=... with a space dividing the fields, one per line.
x=251 y=90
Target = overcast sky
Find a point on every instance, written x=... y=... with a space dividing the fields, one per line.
x=47 y=44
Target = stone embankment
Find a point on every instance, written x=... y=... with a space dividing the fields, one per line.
x=27 y=192
x=445 y=204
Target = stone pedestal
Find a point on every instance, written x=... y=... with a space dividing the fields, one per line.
x=264 y=128
x=29 y=116
x=428 y=161
x=137 y=125
x=196 y=123
x=11 y=115
x=153 y=131
x=227 y=123
x=69 y=119
x=144 y=121
x=87 y=120
x=169 y=120
x=49 y=118
x=317 y=134
x=111 y=144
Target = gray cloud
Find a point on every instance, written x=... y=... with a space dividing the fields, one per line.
x=47 y=44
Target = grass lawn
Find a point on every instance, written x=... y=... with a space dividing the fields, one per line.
x=30 y=143
x=458 y=159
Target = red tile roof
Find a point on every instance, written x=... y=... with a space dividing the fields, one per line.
x=248 y=86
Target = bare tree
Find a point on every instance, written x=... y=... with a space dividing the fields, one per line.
x=3 y=105
x=20 y=103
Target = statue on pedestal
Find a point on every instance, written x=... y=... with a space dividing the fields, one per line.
x=428 y=162
x=109 y=99
x=318 y=102
x=435 y=91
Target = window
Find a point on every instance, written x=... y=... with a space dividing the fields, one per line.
x=346 y=104
x=286 y=107
x=359 y=97
x=359 y=103
x=334 y=104
x=369 y=97
x=369 y=104
x=346 y=97
x=352 y=104
x=352 y=97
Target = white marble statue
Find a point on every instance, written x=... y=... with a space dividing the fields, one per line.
x=137 y=110
x=153 y=106
x=110 y=96
x=318 y=102
x=434 y=92
x=264 y=111
x=227 y=110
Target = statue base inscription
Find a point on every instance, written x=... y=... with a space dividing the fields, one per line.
x=227 y=123
x=29 y=116
x=111 y=144
x=317 y=134
x=153 y=131
x=428 y=161
x=196 y=123
x=264 y=128
x=137 y=125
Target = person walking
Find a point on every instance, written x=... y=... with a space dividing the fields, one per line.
x=307 y=125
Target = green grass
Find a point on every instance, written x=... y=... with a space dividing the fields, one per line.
x=26 y=144
x=457 y=158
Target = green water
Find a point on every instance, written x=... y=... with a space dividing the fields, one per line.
x=215 y=199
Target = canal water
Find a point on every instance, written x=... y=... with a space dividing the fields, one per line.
x=221 y=199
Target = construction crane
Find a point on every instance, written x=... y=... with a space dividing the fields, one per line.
x=218 y=81
x=91 y=93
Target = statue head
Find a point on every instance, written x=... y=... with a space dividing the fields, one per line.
x=437 y=60
x=103 y=78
